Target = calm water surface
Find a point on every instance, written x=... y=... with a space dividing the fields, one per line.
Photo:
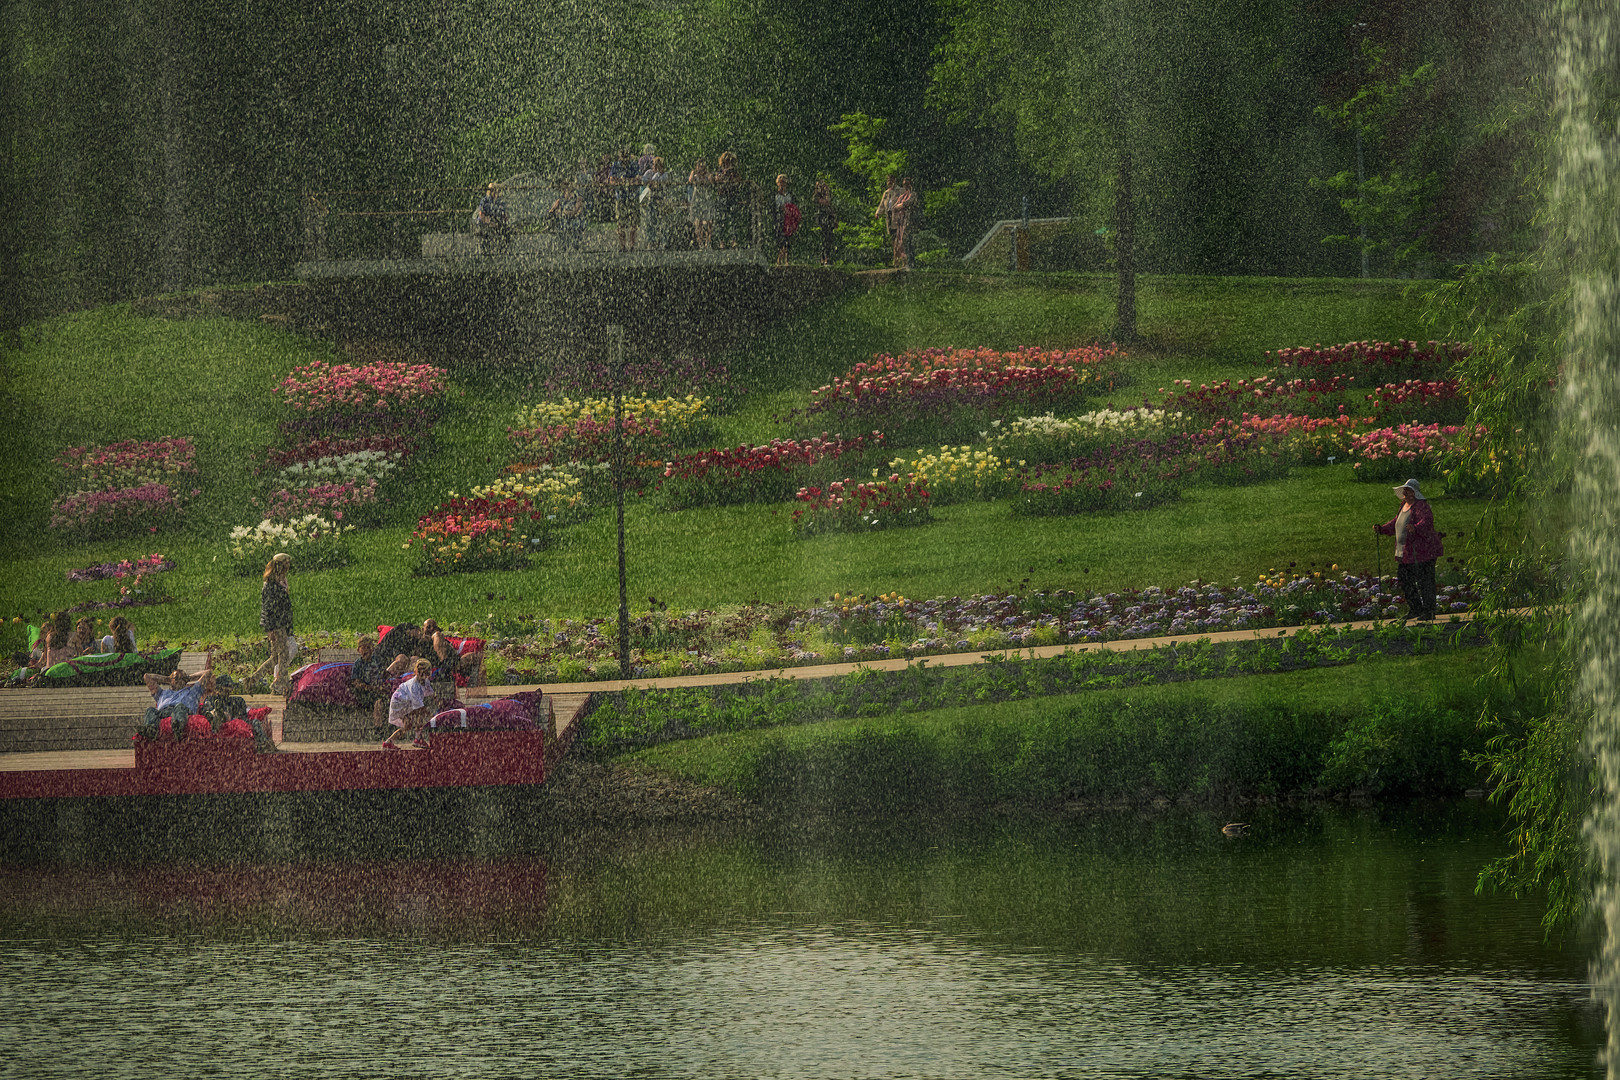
x=1326 y=943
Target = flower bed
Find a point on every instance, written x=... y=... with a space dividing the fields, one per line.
x=1430 y=401
x=852 y=506
x=1379 y=359
x=1411 y=450
x=846 y=627
x=589 y=441
x=1233 y=399
x=124 y=487
x=1307 y=440
x=128 y=464
x=358 y=466
x=314 y=542
x=1045 y=438
x=146 y=508
x=653 y=379
x=679 y=420
x=466 y=534
x=955 y=474
x=146 y=564
x=402 y=445
x=944 y=389
x=384 y=386
x=335 y=499
x=554 y=498
x=770 y=472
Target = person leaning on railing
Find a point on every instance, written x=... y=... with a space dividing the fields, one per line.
x=491 y=222
x=728 y=191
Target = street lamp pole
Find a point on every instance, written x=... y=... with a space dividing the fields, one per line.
x=615 y=333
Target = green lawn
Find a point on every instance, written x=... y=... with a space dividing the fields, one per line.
x=1279 y=734
x=106 y=375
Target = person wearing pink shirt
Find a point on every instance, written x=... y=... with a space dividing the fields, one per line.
x=1417 y=548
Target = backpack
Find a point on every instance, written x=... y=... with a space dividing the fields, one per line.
x=790 y=219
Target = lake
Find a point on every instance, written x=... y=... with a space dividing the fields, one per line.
x=1328 y=941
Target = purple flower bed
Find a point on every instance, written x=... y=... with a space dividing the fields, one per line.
x=146 y=564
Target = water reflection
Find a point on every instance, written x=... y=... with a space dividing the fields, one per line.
x=1116 y=945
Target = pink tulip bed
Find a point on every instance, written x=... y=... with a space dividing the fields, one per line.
x=124 y=488
x=324 y=389
x=1408 y=450
x=353 y=427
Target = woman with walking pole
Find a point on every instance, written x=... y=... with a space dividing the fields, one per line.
x=1417 y=547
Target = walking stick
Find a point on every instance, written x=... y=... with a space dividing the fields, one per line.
x=1378 y=559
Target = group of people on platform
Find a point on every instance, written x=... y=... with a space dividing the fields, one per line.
x=61 y=638
x=642 y=199
x=424 y=650
x=645 y=202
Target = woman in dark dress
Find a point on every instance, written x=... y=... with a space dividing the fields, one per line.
x=275 y=617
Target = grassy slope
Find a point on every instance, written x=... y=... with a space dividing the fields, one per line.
x=108 y=375
x=1008 y=735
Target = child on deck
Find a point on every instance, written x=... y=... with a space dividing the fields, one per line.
x=410 y=707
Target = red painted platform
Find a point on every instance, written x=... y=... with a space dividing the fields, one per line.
x=225 y=766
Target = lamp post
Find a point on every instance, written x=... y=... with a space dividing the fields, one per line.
x=615 y=333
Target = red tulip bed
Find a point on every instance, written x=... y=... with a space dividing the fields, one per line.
x=770 y=472
x=1399 y=429
x=468 y=534
x=860 y=506
x=931 y=394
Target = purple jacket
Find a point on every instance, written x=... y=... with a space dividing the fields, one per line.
x=1422 y=542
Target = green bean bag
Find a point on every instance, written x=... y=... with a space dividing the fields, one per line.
x=111 y=669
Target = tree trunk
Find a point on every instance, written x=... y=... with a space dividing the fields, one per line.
x=1125 y=252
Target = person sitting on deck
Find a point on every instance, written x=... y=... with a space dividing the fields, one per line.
x=82 y=642
x=122 y=637
x=370 y=676
x=491 y=222
x=176 y=696
x=54 y=645
x=410 y=707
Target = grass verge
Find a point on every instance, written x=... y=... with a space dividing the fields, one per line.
x=1391 y=727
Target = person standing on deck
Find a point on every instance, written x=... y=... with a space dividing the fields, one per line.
x=275 y=617
x=1417 y=547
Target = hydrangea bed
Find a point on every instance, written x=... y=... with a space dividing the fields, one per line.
x=383 y=386
x=314 y=542
x=764 y=473
x=927 y=383
x=154 y=563
x=853 y=506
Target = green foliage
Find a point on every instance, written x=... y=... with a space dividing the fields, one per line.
x=1186 y=744
x=1392 y=205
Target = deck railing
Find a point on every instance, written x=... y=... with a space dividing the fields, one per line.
x=543 y=216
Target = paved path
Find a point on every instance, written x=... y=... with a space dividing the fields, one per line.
x=960 y=659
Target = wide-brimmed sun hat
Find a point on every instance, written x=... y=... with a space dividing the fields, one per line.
x=1411 y=485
